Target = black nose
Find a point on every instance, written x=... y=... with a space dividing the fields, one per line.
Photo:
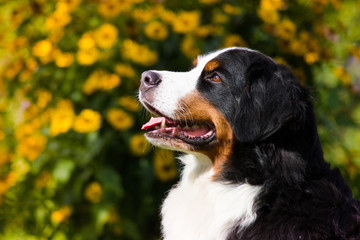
x=149 y=79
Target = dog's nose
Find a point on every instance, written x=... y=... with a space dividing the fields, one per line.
x=149 y=79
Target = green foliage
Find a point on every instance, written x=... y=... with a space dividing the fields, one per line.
x=73 y=162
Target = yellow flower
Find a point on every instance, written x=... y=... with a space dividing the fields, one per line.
x=209 y=1
x=64 y=59
x=220 y=18
x=142 y=15
x=268 y=15
x=297 y=47
x=25 y=75
x=109 y=81
x=62 y=214
x=92 y=82
x=43 y=179
x=231 y=10
x=130 y=103
x=111 y=8
x=93 y=192
x=268 y=10
x=286 y=29
x=100 y=80
x=87 y=56
x=124 y=70
x=234 y=40
x=355 y=51
x=167 y=16
x=2 y=136
x=11 y=178
x=206 y=30
x=7 y=182
x=87 y=41
x=146 y=15
x=137 y=53
x=26 y=129
x=189 y=48
x=87 y=121
x=272 y=4
x=62 y=117
x=32 y=146
x=42 y=48
x=139 y=146
x=186 y=22
x=5 y=156
x=58 y=19
x=106 y=36
x=311 y=57
x=13 y=69
x=156 y=30
x=31 y=64
x=164 y=165
x=56 y=34
x=119 y=119
x=71 y=5
x=342 y=74
x=31 y=112
x=17 y=43
x=280 y=60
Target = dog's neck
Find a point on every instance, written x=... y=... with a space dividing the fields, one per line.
x=201 y=208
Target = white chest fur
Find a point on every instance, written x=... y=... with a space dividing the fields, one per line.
x=200 y=209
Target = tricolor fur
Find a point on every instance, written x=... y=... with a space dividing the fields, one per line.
x=254 y=166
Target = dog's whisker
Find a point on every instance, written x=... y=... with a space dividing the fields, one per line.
x=185 y=112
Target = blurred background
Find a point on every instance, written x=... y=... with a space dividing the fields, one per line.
x=73 y=161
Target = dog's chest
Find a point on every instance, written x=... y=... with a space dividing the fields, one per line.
x=199 y=208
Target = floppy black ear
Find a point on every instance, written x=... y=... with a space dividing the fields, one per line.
x=272 y=97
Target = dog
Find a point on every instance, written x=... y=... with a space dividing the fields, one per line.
x=253 y=163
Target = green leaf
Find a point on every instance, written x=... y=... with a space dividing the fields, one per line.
x=63 y=170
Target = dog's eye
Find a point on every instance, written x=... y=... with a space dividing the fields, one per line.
x=214 y=78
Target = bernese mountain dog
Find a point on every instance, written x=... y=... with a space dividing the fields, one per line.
x=253 y=163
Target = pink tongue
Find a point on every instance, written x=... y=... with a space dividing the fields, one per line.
x=196 y=132
x=152 y=122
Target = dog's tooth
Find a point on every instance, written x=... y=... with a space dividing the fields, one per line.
x=196 y=126
x=157 y=127
x=178 y=126
x=163 y=125
x=187 y=127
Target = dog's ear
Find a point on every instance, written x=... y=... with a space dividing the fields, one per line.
x=271 y=98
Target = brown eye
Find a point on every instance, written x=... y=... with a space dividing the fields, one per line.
x=215 y=78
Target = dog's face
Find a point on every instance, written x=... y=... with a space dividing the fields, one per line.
x=231 y=95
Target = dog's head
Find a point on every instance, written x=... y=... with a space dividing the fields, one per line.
x=231 y=95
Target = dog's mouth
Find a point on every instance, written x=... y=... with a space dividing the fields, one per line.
x=193 y=133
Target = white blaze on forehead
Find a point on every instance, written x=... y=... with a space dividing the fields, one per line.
x=176 y=85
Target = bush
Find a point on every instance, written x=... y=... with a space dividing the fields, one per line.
x=74 y=164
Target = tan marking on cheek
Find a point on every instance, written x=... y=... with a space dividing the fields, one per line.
x=200 y=110
x=211 y=65
x=194 y=62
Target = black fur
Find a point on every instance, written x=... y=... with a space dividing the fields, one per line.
x=277 y=146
